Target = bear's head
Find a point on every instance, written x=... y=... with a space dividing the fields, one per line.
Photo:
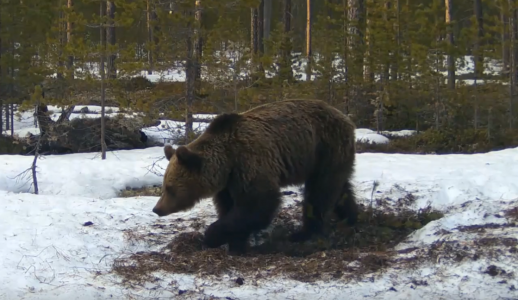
x=184 y=184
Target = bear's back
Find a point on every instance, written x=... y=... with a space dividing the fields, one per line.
x=292 y=136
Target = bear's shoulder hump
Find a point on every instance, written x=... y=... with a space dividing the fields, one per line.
x=224 y=123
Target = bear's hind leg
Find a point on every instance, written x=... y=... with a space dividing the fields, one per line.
x=320 y=195
x=346 y=206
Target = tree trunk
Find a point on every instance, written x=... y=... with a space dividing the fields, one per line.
x=514 y=33
x=156 y=39
x=355 y=43
x=512 y=57
x=1 y=80
x=12 y=119
x=478 y=56
x=260 y=35
x=368 y=73
x=386 y=70
x=111 y=39
x=7 y=118
x=395 y=60
x=267 y=21
x=190 y=74
x=150 y=39
x=254 y=39
x=260 y=28
x=62 y=40
x=103 y=88
x=33 y=167
x=451 y=59
x=198 y=46
x=253 y=30
x=309 y=54
x=504 y=36
x=286 y=72
x=70 y=28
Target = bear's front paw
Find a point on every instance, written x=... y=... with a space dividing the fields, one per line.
x=237 y=248
x=300 y=236
x=215 y=235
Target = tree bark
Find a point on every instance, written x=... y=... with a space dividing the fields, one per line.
x=253 y=30
x=478 y=56
x=103 y=88
x=150 y=39
x=386 y=70
x=190 y=74
x=111 y=39
x=504 y=36
x=254 y=40
x=286 y=72
x=70 y=28
x=12 y=119
x=368 y=73
x=1 y=81
x=62 y=40
x=355 y=43
x=512 y=57
x=267 y=21
x=260 y=28
x=7 y=118
x=309 y=53
x=514 y=38
x=451 y=42
x=198 y=46
x=33 y=166
x=395 y=60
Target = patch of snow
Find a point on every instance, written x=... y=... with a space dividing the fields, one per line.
x=400 y=133
x=365 y=135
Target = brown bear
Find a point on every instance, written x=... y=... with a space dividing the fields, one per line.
x=242 y=160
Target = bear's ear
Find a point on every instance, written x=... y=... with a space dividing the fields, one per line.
x=188 y=158
x=168 y=151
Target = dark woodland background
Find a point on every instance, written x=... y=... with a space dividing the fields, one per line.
x=445 y=68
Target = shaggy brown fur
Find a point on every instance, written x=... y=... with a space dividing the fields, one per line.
x=242 y=161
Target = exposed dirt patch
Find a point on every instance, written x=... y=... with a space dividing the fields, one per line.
x=345 y=252
x=497 y=241
x=512 y=214
x=481 y=228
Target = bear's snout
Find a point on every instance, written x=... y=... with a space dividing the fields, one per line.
x=158 y=211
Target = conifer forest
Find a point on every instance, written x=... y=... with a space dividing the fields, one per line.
x=445 y=68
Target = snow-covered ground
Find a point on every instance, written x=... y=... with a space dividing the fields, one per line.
x=49 y=250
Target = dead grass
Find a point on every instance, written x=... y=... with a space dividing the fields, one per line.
x=345 y=253
x=154 y=191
